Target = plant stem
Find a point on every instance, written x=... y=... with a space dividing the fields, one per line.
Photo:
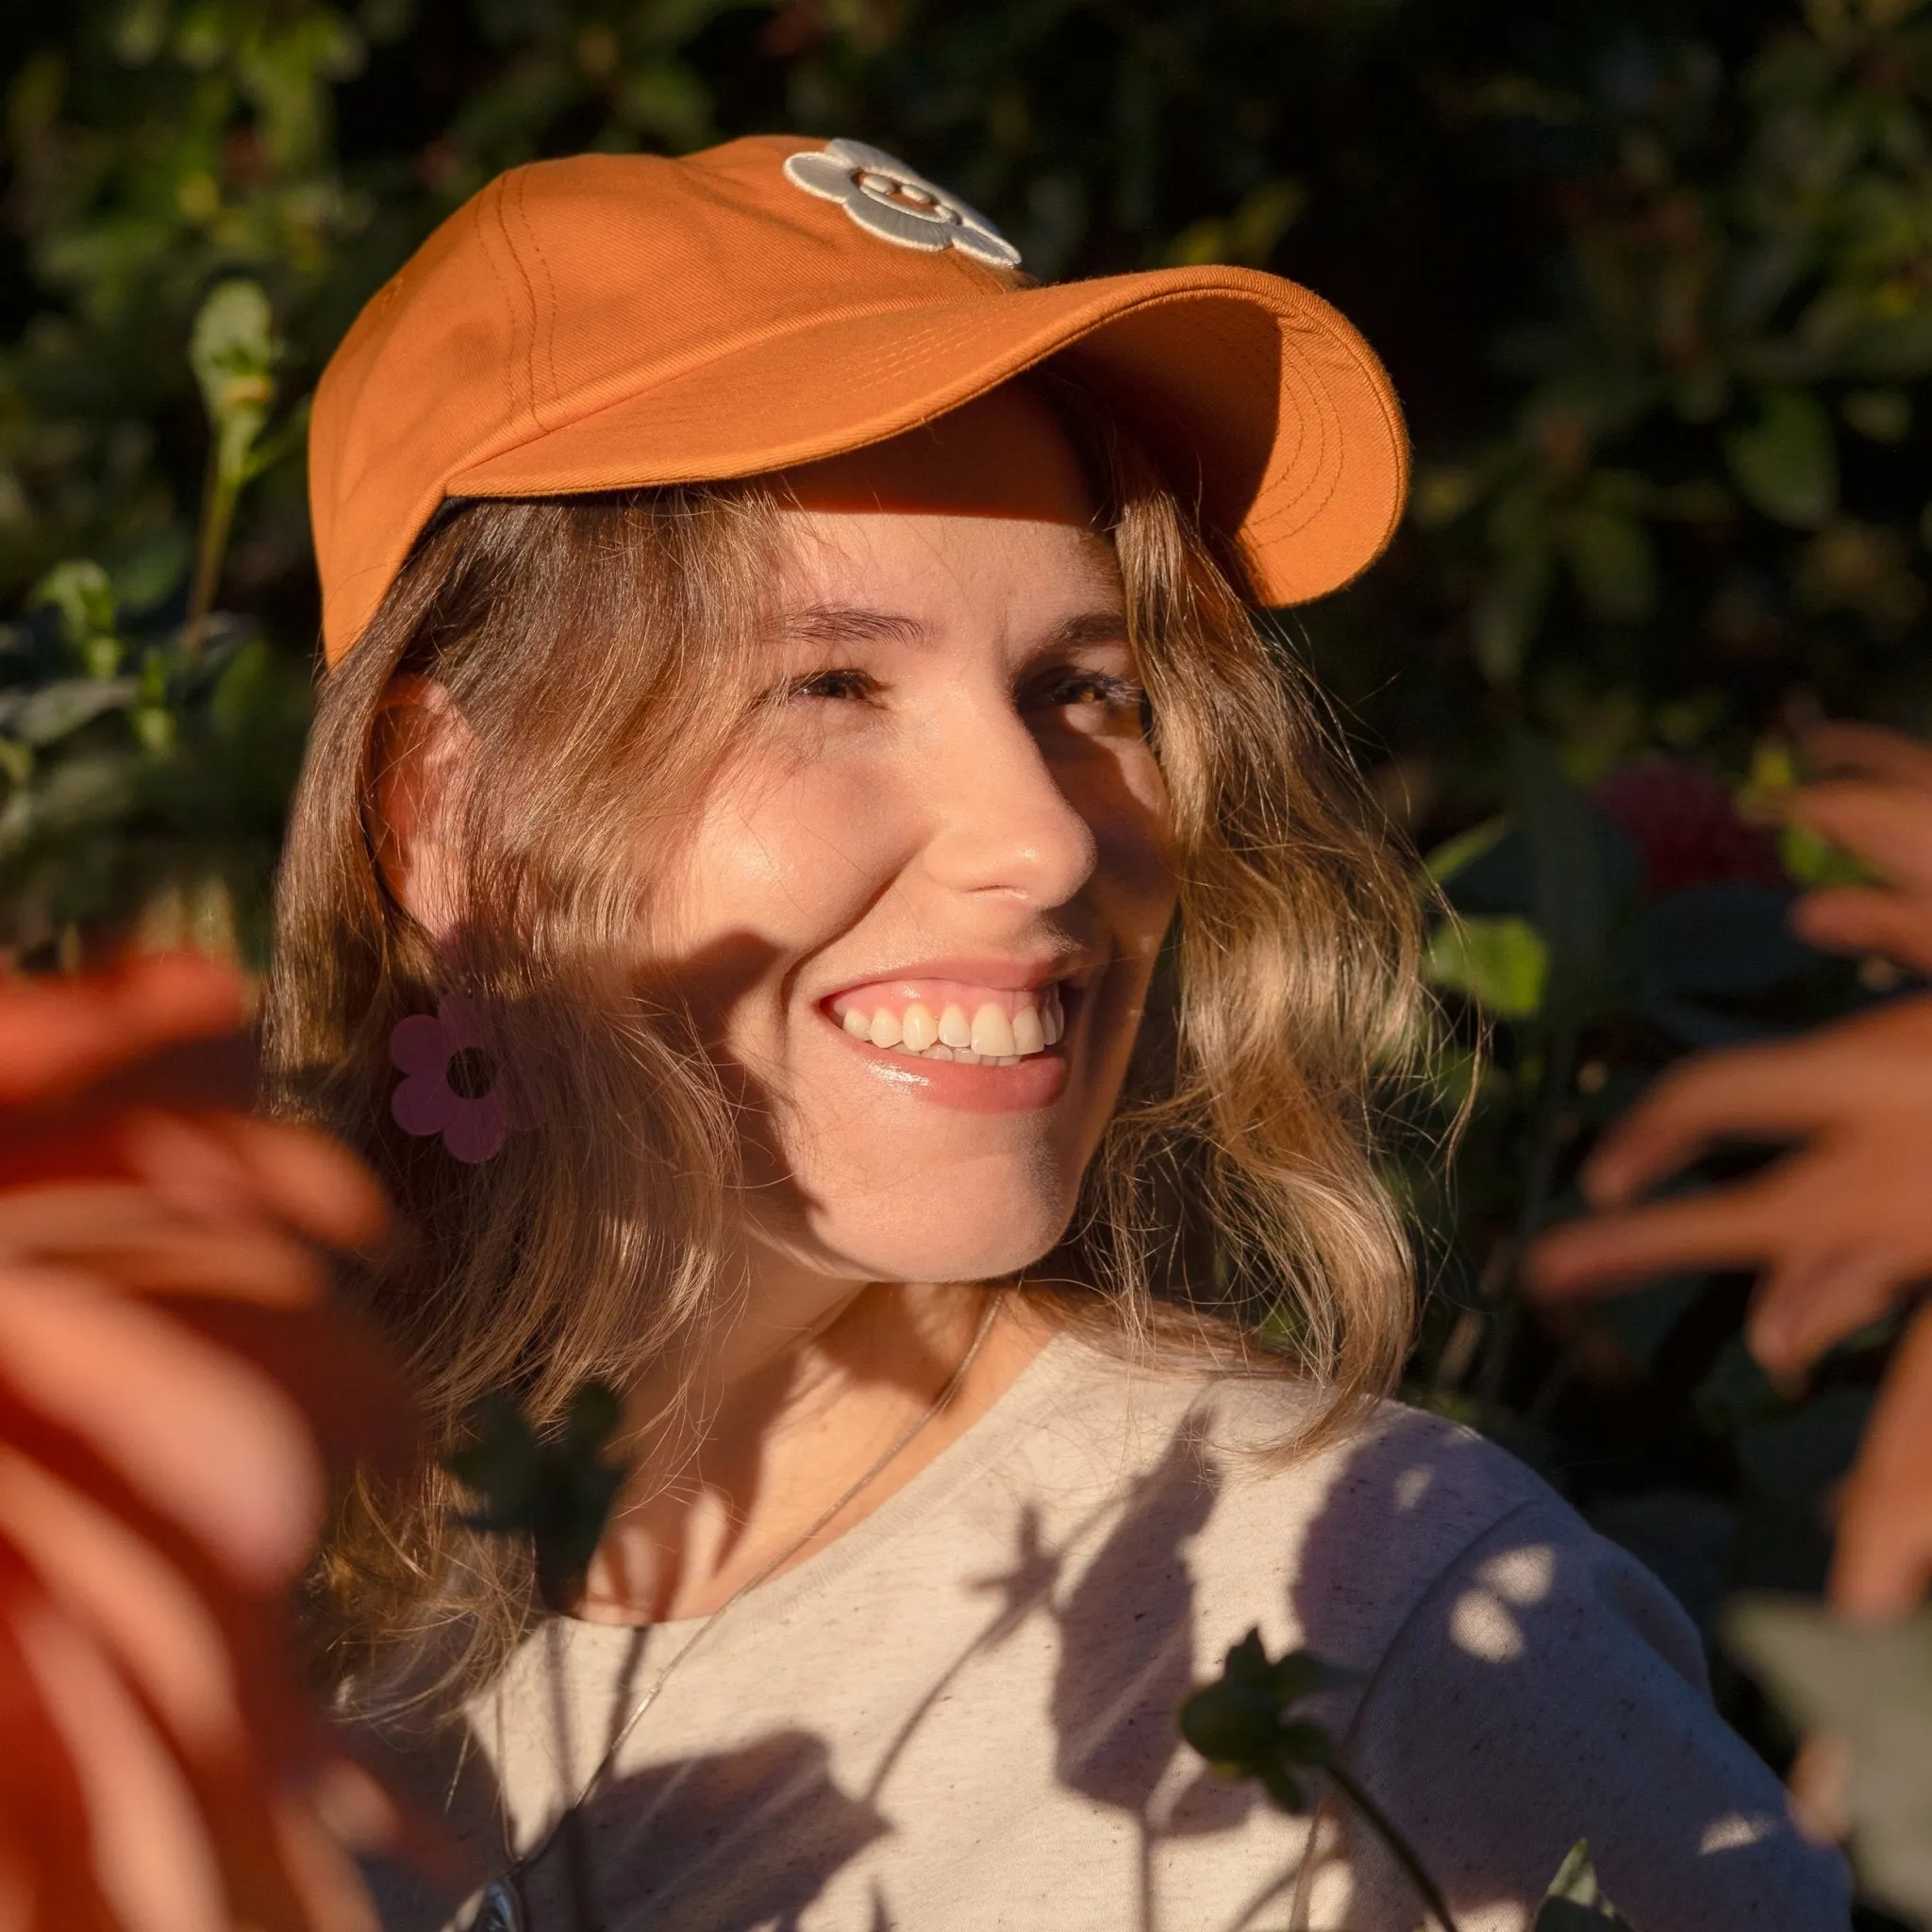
x=1384 y=1827
x=1558 y=1065
x=210 y=548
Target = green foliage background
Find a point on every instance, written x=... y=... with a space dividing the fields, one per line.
x=1654 y=277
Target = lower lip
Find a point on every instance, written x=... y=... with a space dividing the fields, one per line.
x=1035 y=1082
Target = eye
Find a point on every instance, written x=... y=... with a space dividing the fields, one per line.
x=1092 y=688
x=1095 y=701
x=846 y=685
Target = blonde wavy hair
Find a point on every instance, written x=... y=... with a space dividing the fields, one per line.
x=603 y=652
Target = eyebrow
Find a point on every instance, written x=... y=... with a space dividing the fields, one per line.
x=852 y=623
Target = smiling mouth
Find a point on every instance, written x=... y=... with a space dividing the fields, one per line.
x=950 y=1020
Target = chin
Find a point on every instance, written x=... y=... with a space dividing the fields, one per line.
x=969 y=1242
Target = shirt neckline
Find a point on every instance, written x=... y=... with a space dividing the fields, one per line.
x=1013 y=1413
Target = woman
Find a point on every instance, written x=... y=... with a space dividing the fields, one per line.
x=814 y=894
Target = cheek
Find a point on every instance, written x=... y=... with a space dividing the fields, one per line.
x=1126 y=805
x=776 y=865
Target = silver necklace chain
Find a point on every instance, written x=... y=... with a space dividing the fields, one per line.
x=502 y=1908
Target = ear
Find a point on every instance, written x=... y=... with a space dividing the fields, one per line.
x=424 y=754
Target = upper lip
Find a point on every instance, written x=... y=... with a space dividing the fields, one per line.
x=1010 y=973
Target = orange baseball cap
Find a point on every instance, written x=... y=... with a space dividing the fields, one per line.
x=611 y=321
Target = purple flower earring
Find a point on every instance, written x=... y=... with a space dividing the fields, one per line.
x=455 y=1084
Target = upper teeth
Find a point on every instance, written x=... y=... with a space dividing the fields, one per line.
x=999 y=1029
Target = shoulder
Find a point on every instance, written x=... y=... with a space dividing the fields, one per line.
x=1333 y=1538
x=1389 y=1511
x=1520 y=1681
x=1397 y=1541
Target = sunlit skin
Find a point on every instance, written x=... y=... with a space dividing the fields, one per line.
x=950 y=787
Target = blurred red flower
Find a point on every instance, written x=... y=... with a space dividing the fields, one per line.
x=1684 y=823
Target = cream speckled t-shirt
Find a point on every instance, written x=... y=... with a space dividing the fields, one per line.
x=960 y=1716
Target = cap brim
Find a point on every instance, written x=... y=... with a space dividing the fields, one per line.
x=1258 y=401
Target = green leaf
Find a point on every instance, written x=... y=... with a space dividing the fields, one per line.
x=1869 y=1686
x=1451 y=857
x=233 y=351
x=596 y=1411
x=1642 y=1320
x=1242 y=1723
x=1303 y=1743
x=81 y=593
x=1800 y=1452
x=1502 y=964
x=1231 y=1723
x=1284 y=1789
x=1785 y=462
x=1249 y=234
x=58 y=710
x=148 y=571
x=1575 y=1901
x=502 y=1464
x=1883 y=414
x=1610 y=556
x=1814 y=861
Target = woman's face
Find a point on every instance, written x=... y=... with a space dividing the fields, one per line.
x=920 y=909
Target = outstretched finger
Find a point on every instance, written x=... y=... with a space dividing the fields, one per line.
x=1867 y=919
x=166 y=1645
x=1813 y=1301
x=1868 y=751
x=355 y=1399
x=148 y=1848
x=127 y=1237
x=1751 y=1093
x=1884 y=1558
x=1602 y=1255
x=1889 y=826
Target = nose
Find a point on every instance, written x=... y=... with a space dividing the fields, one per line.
x=999 y=820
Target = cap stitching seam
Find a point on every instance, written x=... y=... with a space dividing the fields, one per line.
x=549 y=291
x=494 y=210
x=530 y=297
x=1301 y=500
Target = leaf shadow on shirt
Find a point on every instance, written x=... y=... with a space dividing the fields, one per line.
x=751 y=1839
x=1560 y=1680
x=1402 y=1510
x=1120 y=1672
x=737 y=1840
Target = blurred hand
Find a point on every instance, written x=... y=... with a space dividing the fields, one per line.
x=1841 y=1226
x=172 y=1384
x=1875 y=800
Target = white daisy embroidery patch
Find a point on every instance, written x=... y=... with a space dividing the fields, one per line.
x=884 y=196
